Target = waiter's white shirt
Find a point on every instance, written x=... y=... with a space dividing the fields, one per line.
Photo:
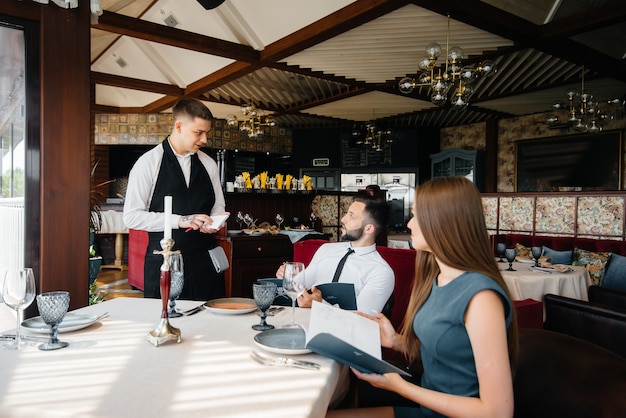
x=142 y=181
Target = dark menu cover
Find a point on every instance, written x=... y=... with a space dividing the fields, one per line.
x=341 y=294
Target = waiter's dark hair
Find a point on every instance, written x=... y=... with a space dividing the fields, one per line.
x=191 y=108
x=377 y=211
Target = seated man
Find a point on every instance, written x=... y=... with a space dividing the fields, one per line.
x=372 y=277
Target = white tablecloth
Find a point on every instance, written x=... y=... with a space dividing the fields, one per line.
x=111 y=370
x=113 y=222
x=524 y=284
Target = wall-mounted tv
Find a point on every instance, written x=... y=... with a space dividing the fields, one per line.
x=584 y=162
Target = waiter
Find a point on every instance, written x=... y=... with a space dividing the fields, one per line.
x=178 y=168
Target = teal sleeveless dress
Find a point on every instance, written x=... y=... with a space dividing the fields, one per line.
x=445 y=347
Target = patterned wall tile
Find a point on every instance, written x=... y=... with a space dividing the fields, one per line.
x=555 y=215
x=490 y=209
x=516 y=213
x=153 y=128
x=602 y=215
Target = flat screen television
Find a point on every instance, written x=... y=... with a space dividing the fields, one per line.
x=584 y=162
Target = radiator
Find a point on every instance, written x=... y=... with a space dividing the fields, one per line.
x=12 y=245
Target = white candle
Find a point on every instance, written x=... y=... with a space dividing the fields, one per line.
x=167 y=226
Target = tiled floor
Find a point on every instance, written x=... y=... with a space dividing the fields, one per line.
x=114 y=284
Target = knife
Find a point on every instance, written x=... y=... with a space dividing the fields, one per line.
x=11 y=337
x=195 y=310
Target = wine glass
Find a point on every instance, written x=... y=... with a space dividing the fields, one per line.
x=177 y=281
x=510 y=255
x=293 y=285
x=279 y=219
x=239 y=219
x=536 y=253
x=264 y=294
x=501 y=248
x=312 y=218
x=18 y=293
x=249 y=220
x=52 y=308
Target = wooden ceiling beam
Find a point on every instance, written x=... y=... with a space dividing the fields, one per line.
x=135 y=84
x=596 y=18
x=154 y=32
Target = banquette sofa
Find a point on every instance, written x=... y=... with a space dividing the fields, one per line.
x=558 y=375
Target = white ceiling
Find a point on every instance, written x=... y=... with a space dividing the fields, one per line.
x=331 y=62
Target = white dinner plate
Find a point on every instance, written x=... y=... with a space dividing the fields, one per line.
x=72 y=321
x=525 y=261
x=231 y=306
x=289 y=341
x=254 y=233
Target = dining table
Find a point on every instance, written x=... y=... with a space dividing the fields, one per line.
x=110 y=369
x=529 y=282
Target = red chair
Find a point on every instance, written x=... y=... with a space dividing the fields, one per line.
x=401 y=261
x=137 y=245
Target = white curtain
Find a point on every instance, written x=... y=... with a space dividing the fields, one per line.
x=96 y=8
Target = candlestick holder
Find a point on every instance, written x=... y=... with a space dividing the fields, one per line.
x=165 y=332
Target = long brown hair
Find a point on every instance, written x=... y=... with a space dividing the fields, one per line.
x=450 y=215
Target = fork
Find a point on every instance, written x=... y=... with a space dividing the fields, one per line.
x=283 y=361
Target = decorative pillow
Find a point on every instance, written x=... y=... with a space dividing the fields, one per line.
x=595 y=262
x=615 y=275
x=557 y=257
x=523 y=252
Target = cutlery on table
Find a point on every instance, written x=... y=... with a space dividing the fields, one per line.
x=11 y=337
x=195 y=310
x=272 y=311
x=283 y=361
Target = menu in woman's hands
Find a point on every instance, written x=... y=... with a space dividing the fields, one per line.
x=348 y=338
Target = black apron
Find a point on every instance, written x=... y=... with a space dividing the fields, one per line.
x=202 y=282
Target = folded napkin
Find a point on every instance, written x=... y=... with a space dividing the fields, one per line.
x=562 y=268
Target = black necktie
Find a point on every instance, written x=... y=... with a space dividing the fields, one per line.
x=340 y=265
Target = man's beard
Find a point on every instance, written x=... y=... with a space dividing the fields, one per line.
x=352 y=235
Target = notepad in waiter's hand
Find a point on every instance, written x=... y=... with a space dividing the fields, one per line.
x=341 y=294
x=347 y=338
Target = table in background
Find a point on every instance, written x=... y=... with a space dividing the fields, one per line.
x=111 y=370
x=525 y=284
x=113 y=223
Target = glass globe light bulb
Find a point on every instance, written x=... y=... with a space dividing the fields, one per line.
x=468 y=74
x=487 y=68
x=552 y=119
x=424 y=78
x=406 y=85
x=425 y=63
x=433 y=50
x=455 y=53
x=438 y=98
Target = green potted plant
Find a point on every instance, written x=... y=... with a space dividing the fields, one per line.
x=95 y=222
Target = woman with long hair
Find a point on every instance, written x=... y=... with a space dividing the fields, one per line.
x=460 y=319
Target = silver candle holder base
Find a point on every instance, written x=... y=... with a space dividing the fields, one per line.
x=165 y=332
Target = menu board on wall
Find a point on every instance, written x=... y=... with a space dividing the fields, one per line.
x=353 y=155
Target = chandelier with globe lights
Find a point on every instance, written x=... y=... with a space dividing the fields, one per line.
x=253 y=121
x=369 y=135
x=448 y=77
x=584 y=113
